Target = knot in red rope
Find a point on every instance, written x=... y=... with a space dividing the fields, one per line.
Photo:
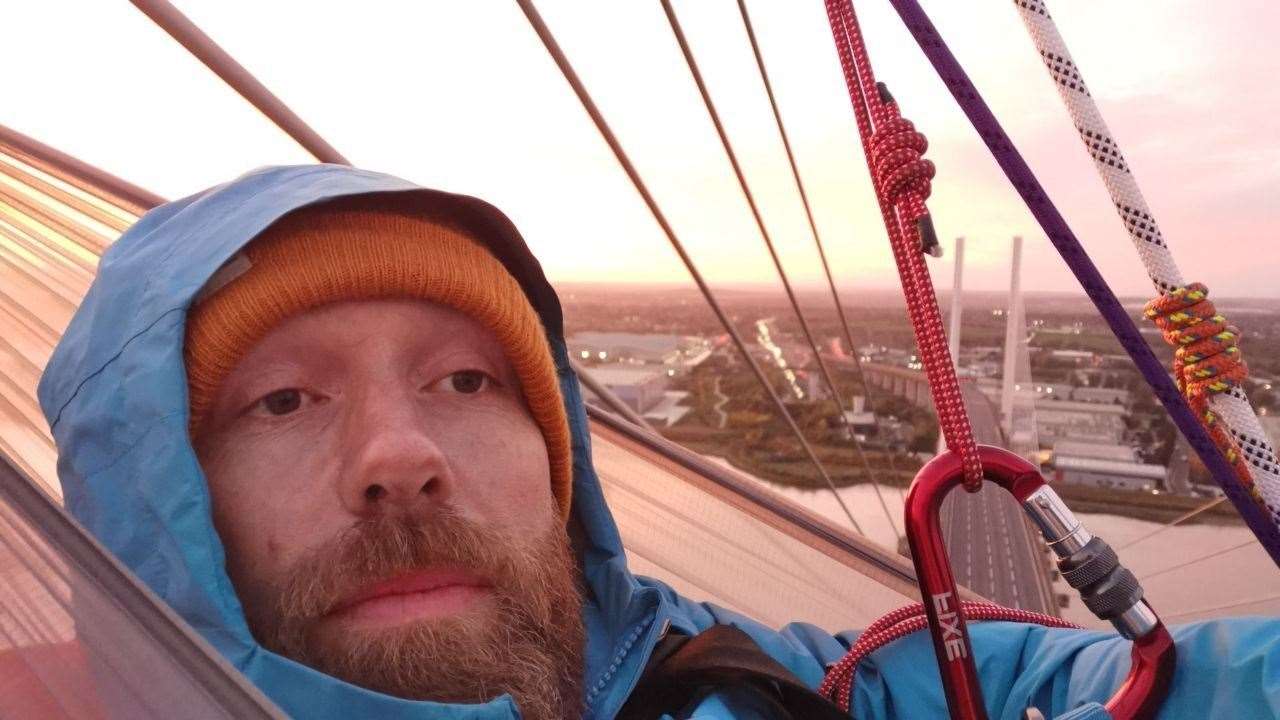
x=901 y=171
x=1206 y=358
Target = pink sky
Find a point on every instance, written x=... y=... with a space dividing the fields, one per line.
x=462 y=96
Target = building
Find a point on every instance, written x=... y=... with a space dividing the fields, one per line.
x=1079 y=357
x=859 y=417
x=1096 y=451
x=1109 y=396
x=673 y=351
x=644 y=389
x=992 y=387
x=1108 y=473
x=641 y=388
x=1058 y=420
x=814 y=384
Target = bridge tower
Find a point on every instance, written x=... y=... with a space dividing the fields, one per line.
x=1013 y=338
x=953 y=322
x=957 y=304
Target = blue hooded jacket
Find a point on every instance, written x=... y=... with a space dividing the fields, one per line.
x=115 y=395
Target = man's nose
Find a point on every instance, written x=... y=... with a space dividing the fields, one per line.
x=393 y=465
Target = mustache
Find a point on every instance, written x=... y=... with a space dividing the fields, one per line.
x=378 y=549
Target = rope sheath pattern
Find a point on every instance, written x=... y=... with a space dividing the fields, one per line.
x=1226 y=411
x=901 y=178
x=837 y=686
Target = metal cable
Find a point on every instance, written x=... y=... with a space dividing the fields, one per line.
x=1202 y=558
x=200 y=45
x=1175 y=522
x=685 y=50
x=1215 y=608
x=808 y=213
x=562 y=62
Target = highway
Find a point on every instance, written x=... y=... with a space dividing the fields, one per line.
x=992 y=549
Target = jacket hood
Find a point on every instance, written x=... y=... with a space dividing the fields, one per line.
x=115 y=395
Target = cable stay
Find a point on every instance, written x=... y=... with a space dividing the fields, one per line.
x=828 y=378
x=808 y=213
x=200 y=45
x=1176 y=521
x=562 y=62
x=1202 y=558
x=1226 y=606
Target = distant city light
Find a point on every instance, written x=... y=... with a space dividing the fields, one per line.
x=603 y=355
x=586 y=354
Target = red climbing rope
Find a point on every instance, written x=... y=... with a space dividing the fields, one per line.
x=837 y=686
x=1206 y=360
x=901 y=176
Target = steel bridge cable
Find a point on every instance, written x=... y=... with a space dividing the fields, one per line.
x=191 y=37
x=1227 y=606
x=200 y=45
x=808 y=212
x=1202 y=558
x=1176 y=521
x=571 y=76
x=685 y=50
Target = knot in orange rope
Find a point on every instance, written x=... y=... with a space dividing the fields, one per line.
x=1206 y=358
x=897 y=150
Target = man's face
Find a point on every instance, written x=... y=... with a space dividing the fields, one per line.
x=385 y=502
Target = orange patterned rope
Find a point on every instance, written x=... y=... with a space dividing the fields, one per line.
x=1206 y=359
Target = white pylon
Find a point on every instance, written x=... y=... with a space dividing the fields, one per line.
x=1012 y=338
x=953 y=322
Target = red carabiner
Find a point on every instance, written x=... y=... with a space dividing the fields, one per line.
x=1153 y=653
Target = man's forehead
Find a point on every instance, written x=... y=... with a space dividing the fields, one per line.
x=359 y=325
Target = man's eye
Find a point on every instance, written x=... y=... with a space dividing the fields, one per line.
x=282 y=402
x=467 y=382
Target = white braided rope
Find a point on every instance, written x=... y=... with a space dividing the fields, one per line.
x=1232 y=407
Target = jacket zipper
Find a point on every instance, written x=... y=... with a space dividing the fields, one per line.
x=621 y=655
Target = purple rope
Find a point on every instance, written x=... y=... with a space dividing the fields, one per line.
x=1038 y=202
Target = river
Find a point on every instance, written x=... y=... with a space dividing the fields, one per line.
x=1243 y=581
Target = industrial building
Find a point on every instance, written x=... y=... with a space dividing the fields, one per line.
x=643 y=389
x=1058 y=420
x=1097 y=451
x=1108 y=473
x=676 y=352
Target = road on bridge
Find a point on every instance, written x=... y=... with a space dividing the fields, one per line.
x=993 y=551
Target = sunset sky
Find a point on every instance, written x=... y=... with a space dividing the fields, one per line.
x=462 y=96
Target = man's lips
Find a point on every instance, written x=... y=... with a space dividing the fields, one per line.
x=423 y=594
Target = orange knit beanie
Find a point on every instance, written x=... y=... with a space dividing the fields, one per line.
x=360 y=251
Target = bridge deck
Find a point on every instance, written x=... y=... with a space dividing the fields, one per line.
x=992 y=549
